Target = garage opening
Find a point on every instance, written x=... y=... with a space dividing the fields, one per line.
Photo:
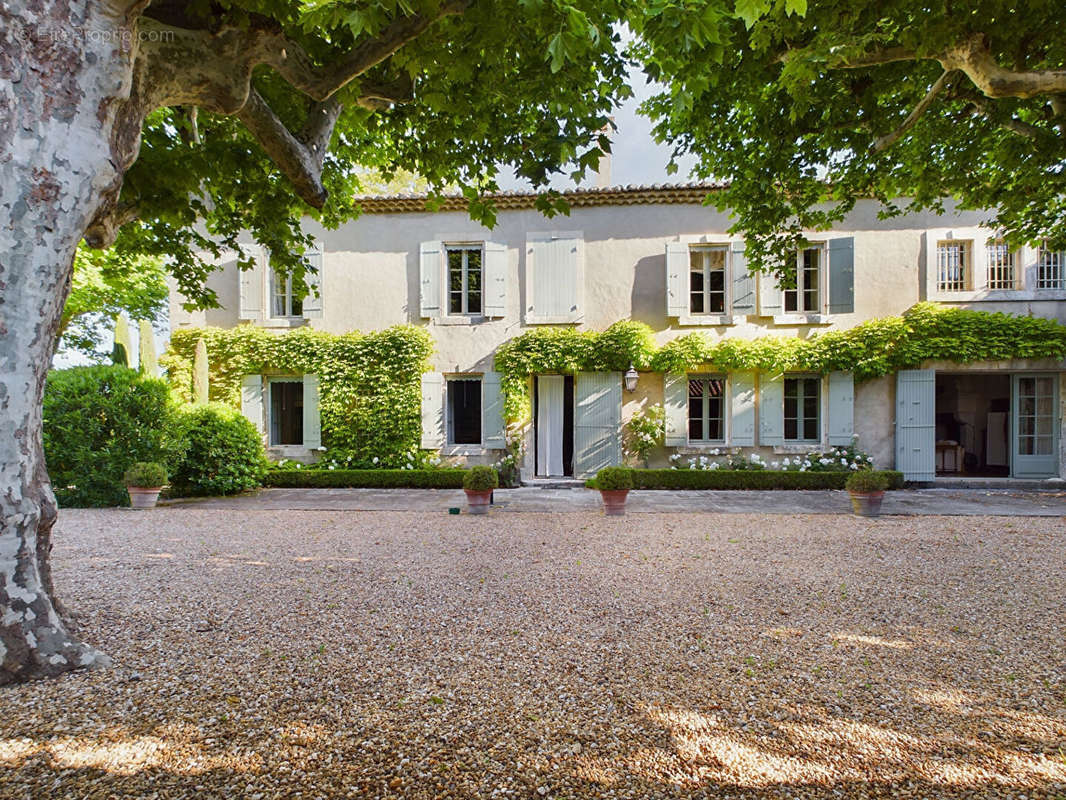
x=973 y=424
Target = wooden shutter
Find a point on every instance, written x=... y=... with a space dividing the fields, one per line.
x=312 y=417
x=916 y=424
x=492 y=425
x=597 y=422
x=841 y=408
x=495 y=280
x=842 y=275
x=429 y=260
x=252 y=401
x=743 y=285
x=432 y=410
x=771 y=409
x=742 y=409
x=251 y=284
x=770 y=295
x=554 y=277
x=312 y=302
x=675 y=402
x=677 y=268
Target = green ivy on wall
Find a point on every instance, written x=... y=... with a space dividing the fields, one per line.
x=370 y=384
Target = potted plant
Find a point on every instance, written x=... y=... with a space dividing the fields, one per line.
x=866 y=488
x=144 y=481
x=478 y=483
x=614 y=484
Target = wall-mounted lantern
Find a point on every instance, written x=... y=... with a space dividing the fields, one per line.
x=630 y=379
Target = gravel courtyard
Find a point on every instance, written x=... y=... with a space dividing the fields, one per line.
x=263 y=654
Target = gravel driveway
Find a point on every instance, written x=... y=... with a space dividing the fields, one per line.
x=326 y=654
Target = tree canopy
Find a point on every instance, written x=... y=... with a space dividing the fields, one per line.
x=802 y=109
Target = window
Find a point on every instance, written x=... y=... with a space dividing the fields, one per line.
x=1049 y=272
x=1036 y=416
x=706 y=398
x=953 y=266
x=1001 y=273
x=286 y=412
x=803 y=293
x=282 y=301
x=464 y=279
x=802 y=409
x=707 y=280
x=464 y=410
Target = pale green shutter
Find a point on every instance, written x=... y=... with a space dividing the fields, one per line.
x=250 y=302
x=495 y=280
x=841 y=408
x=676 y=271
x=743 y=285
x=312 y=417
x=771 y=409
x=842 y=275
x=742 y=409
x=252 y=401
x=597 y=422
x=432 y=410
x=312 y=302
x=429 y=276
x=555 y=274
x=916 y=424
x=675 y=402
x=492 y=426
x=770 y=295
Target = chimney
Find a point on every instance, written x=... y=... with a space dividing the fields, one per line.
x=603 y=170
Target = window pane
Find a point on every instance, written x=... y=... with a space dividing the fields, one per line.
x=277 y=295
x=952 y=266
x=455 y=281
x=464 y=410
x=714 y=417
x=1000 y=266
x=717 y=291
x=695 y=284
x=790 y=429
x=811 y=258
x=810 y=428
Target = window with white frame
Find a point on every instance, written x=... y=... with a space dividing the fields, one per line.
x=286 y=412
x=954 y=266
x=283 y=303
x=1001 y=270
x=803 y=281
x=803 y=402
x=706 y=408
x=464 y=278
x=707 y=279
x=463 y=410
x=1049 y=269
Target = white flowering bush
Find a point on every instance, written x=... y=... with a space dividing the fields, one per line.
x=838 y=459
x=645 y=431
x=338 y=458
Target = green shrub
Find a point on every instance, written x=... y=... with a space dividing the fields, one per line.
x=98 y=421
x=866 y=482
x=743 y=479
x=145 y=475
x=444 y=478
x=481 y=479
x=614 y=479
x=217 y=451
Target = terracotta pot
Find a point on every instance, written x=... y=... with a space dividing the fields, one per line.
x=478 y=502
x=143 y=497
x=866 y=504
x=614 y=501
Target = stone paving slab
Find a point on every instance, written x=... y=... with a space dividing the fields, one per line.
x=948 y=502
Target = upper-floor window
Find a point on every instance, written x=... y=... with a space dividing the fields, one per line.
x=803 y=409
x=803 y=281
x=1050 y=273
x=954 y=266
x=706 y=408
x=1001 y=269
x=464 y=278
x=707 y=280
x=283 y=303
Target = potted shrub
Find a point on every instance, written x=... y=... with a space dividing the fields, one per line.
x=478 y=484
x=866 y=488
x=144 y=481
x=614 y=484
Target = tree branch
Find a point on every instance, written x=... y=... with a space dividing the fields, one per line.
x=974 y=57
x=890 y=139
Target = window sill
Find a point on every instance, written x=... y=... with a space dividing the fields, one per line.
x=705 y=320
x=705 y=449
x=800 y=448
x=473 y=319
x=999 y=296
x=282 y=322
x=801 y=319
x=561 y=319
x=462 y=450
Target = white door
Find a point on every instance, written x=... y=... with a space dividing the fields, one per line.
x=597 y=422
x=916 y=424
x=550 y=425
x=1036 y=440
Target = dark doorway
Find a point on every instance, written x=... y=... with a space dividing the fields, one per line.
x=286 y=412
x=973 y=424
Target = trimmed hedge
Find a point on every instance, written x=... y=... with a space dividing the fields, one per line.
x=217 y=451
x=746 y=479
x=365 y=478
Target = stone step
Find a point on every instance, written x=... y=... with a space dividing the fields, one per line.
x=963 y=482
x=553 y=483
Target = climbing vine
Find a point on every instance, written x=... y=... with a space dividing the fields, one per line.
x=369 y=384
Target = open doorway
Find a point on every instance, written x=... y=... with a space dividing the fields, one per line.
x=553 y=425
x=973 y=424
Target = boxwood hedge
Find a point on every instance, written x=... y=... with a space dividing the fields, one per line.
x=365 y=478
x=746 y=479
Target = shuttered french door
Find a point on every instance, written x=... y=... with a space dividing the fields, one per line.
x=550 y=402
x=597 y=422
x=1035 y=424
x=916 y=424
